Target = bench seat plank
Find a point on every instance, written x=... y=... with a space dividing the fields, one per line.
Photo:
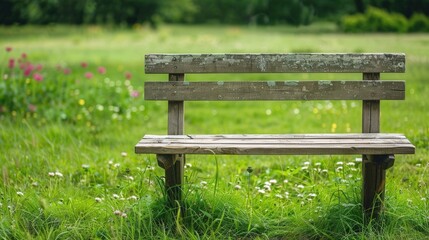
x=275 y=63
x=281 y=144
x=275 y=90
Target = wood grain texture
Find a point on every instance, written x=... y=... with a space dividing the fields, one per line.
x=275 y=63
x=275 y=90
x=325 y=144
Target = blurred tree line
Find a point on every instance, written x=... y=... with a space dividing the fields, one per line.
x=128 y=12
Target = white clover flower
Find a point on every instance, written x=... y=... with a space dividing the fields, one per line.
x=117 y=212
x=325 y=171
x=300 y=195
x=257 y=188
x=188 y=165
x=304 y=168
x=353 y=169
x=124 y=154
x=116 y=165
x=358 y=159
x=131 y=178
x=317 y=164
x=134 y=198
x=285 y=181
x=85 y=166
x=267 y=187
x=300 y=186
x=340 y=163
x=423 y=199
x=97 y=199
x=51 y=174
x=110 y=162
x=273 y=181
x=58 y=174
x=237 y=187
x=20 y=194
x=203 y=183
x=418 y=165
x=279 y=196
x=312 y=195
x=115 y=196
x=150 y=168
x=338 y=169
x=351 y=164
x=34 y=184
x=124 y=215
x=261 y=191
x=306 y=163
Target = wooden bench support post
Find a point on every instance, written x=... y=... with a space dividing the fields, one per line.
x=173 y=166
x=373 y=184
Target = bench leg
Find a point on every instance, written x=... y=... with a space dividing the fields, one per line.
x=173 y=164
x=374 y=179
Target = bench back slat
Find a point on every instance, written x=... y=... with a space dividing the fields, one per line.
x=275 y=63
x=275 y=90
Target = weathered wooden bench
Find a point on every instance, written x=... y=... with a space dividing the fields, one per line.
x=378 y=149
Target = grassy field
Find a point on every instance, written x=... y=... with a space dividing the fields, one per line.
x=66 y=142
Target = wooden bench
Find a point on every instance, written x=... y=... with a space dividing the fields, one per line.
x=378 y=149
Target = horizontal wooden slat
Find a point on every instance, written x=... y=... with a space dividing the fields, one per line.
x=275 y=63
x=297 y=144
x=275 y=90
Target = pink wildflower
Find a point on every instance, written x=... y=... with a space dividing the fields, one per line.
x=84 y=64
x=39 y=67
x=135 y=94
x=67 y=71
x=8 y=49
x=89 y=75
x=32 y=108
x=102 y=70
x=24 y=55
x=28 y=69
x=11 y=63
x=38 y=77
x=128 y=75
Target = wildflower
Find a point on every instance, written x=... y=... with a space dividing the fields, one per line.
x=117 y=212
x=306 y=163
x=11 y=63
x=358 y=159
x=66 y=71
x=324 y=171
x=28 y=69
x=203 y=183
x=338 y=169
x=312 y=195
x=124 y=154
x=300 y=195
x=267 y=183
x=339 y=163
x=97 y=199
x=51 y=174
x=318 y=164
x=279 y=196
x=124 y=215
x=34 y=184
x=300 y=186
x=116 y=165
x=273 y=181
x=85 y=166
x=188 y=165
x=115 y=196
x=88 y=75
x=237 y=187
x=150 y=168
x=135 y=94
x=8 y=49
x=285 y=181
x=128 y=75
x=23 y=55
x=101 y=70
x=351 y=164
x=32 y=108
x=267 y=187
x=133 y=198
x=39 y=67
x=38 y=77
x=131 y=178
x=261 y=191
x=20 y=194
x=304 y=168
x=81 y=102
x=423 y=199
x=58 y=174
x=84 y=64
x=418 y=165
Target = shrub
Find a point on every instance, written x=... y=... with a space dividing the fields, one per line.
x=418 y=23
x=374 y=20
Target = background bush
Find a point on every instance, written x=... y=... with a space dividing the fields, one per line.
x=378 y=20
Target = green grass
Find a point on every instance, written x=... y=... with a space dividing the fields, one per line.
x=98 y=178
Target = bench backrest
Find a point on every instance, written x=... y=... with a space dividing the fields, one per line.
x=370 y=90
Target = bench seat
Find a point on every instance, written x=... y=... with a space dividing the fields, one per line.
x=277 y=144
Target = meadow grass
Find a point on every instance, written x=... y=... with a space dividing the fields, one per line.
x=78 y=178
